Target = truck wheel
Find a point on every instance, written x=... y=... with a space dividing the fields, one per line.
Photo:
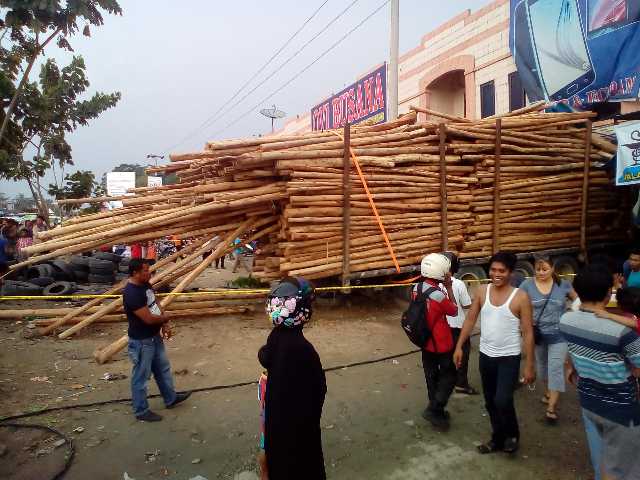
x=566 y=267
x=473 y=276
x=60 y=288
x=525 y=269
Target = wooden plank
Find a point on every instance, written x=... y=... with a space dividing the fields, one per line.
x=346 y=207
x=497 y=187
x=585 y=189
x=443 y=187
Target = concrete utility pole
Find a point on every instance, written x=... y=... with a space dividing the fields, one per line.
x=392 y=82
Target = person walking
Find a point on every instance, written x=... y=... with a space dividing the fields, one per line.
x=146 y=347
x=602 y=356
x=505 y=316
x=463 y=300
x=437 y=360
x=549 y=297
x=295 y=387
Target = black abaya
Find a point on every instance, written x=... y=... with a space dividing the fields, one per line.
x=296 y=388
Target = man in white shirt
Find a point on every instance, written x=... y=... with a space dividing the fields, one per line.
x=463 y=300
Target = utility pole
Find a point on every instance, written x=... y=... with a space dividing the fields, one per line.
x=392 y=83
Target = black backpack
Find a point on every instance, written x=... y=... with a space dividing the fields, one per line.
x=414 y=321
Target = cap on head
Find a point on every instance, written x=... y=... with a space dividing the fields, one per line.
x=289 y=302
x=435 y=266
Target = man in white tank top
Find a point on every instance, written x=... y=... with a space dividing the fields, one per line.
x=505 y=316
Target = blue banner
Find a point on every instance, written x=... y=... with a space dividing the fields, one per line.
x=579 y=52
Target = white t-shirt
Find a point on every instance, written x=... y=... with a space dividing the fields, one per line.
x=463 y=300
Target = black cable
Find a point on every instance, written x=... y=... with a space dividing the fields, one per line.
x=214 y=117
x=195 y=390
x=251 y=110
x=69 y=442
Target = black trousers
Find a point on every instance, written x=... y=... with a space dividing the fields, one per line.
x=220 y=261
x=499 y=380
x=440 y=375
x=462 y=376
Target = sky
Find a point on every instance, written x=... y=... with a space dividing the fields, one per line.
x=176 y=66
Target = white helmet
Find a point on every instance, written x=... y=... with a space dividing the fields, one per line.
x=435 y=266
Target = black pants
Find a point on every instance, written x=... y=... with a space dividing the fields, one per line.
x=440 y=375
x=220 y=262
x=462 y=378
x=499 y=380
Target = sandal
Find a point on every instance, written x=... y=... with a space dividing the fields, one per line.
x=551 y=417
x=511 y=445
x=545 y=399
x=467 y=390
x=489 y=447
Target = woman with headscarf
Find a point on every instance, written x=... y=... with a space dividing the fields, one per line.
x=296 y=387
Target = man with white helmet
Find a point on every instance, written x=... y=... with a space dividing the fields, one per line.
x=437 y=354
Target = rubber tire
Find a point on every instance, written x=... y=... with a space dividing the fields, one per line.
x=13 y=287
x=62 y=270
x=99 y=266
x=78 y=262
x=474 y=275
x=111 y=257
x=81 y=275
x=124 y=269
x=102 y=279
x=40 y=270
x=566 y=265
x=526 y=267
x=42 y=281
x=60 y=288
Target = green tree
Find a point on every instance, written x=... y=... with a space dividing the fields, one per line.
x=30 y=26
x=80 y=184
x=49 y=110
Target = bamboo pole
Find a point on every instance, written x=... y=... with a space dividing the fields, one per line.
x=497 y=187
x=346 y=206
x=585 y=189
x=442 y=130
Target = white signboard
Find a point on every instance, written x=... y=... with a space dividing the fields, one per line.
x=154 y=181
x=119 y=182
x=628 y=156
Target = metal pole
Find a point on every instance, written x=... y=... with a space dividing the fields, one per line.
x=585 y=190
x=346 y=208
x=392 y=84
x=496 y=187
x=443 y=187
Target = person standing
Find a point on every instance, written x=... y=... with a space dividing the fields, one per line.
x=463 y=300
x=602 y=355
x=505 y=316
x=437 y=360
x=38 y=227
x=295 y=389
x=146 y=347
x=549 y=297
x=631 y=269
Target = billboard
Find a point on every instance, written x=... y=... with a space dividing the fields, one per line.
x=578 y=52
x=364 y=100
x=119 y=182
x=628 y=155
x=154 y=181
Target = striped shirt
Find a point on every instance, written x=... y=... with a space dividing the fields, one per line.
x=603 y=353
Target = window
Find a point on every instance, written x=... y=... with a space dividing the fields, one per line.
x=487 y=99
x=517 y=98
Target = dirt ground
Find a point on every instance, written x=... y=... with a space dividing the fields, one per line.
x=372 y=424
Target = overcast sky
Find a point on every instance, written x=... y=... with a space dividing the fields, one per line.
x=176 y=66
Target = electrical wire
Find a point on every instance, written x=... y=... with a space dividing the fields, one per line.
x=297 y=75
x=258 y=72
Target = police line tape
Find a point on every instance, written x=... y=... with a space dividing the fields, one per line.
x=229 y=291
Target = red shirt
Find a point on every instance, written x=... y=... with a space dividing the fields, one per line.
x=136 y=250
x=438 y=307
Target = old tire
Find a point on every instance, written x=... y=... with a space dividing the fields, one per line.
x=101 y=267
x=102 y=279
x=42 y=281
x=60 y=288
x=78 y=262
x=111 y=257
x=473 y=276
x=62 y=271
x=525 y=267
x=13 y=287
x=40 y=270
x=81 y=275
x=566 y=267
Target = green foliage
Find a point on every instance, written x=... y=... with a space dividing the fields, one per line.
x=248 y=282
x=80 y=184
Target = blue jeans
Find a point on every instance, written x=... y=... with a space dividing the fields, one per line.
x=149 y=356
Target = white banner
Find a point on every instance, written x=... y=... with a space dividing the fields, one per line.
x=154 y=181
x=119 y=182
x=628 y=156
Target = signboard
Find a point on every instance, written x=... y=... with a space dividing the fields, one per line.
x=578 y=52
x=154 y=181
x=364 y=100
x=119 y=182
x=628 y=156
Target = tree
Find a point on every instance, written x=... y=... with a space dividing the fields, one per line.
x=48 y=111
x=31 y=26
x=80 y=184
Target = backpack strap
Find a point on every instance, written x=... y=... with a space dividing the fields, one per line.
x=424 y=296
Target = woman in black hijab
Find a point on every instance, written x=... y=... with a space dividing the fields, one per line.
x=296 y=387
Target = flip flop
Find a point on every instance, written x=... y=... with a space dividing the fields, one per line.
x=489 y=447
x=551 y=417
x=467 y=390
x=545 y=399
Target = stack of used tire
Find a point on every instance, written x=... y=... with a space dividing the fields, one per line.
x=54 y=278
x=80 y=266
x=123 y=269
x=102 y=268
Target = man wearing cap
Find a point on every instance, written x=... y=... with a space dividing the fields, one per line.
x=437 y=354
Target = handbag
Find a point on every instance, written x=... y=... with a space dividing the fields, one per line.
x=537 y=333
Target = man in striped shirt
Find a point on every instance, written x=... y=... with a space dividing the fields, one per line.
x=601 y=356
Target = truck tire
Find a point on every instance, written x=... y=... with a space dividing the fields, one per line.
x=40 y=270
x=473 y=276
x=81 y=275
x=62 y=271
x=78 y=262
x=525 y=267
x=42 y=281
x=102 y=279
x=13 y=287
x=566 y=267
x=112 y=257
x=60 y=288
x=123 y=268
x=101 y=267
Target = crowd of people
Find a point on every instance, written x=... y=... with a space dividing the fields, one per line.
x=16 y=236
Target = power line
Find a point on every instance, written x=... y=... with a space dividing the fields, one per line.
x=297 y=75
x=258 y=72
x=286 y=62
